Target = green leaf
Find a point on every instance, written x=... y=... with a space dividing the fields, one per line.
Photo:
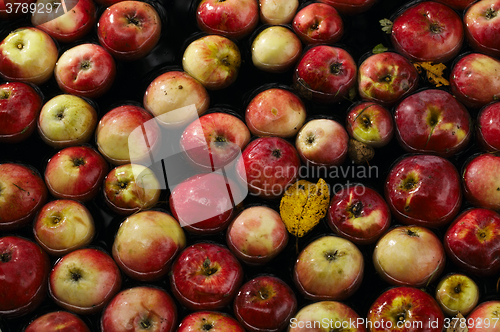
x=386 y=25
x=380 y=48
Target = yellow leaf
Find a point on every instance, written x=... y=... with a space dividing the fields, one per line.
x=303 y=205
x=457 y=324
x=433 y=72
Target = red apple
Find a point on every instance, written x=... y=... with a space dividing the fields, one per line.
x=488 y=127
x=234 y=19
x=457 y=293
x=370 y=123
x=472 y=241
x=85 y=70
x=276 y=12
x=482 y=26
x=351 y=7
x=428 y=31
x=146 y=244
x=20 y=105
x=129 y=30
x=433 y=121
x=140 y=308
x=325 y=74
x=318 y=23
x=206 y=276
x=24 y=268
x=213 y=321
x=75 y=172
x=60 y=321
x=265 y=304
x=423 y=190
x=22 y=195
x=275 y=112
x=481 y=181
x=485 y=317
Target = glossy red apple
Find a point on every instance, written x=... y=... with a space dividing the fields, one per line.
x=485 y=317
x=482 y=26
x=370 y=123
x=351 y=7
x=213 y=321
x=481 y=181
x=488 y=127
x=275 y=12
x=61 y=321
x=457 y=293
x=318 y=23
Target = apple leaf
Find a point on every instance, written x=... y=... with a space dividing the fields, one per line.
x=360 y=153
x=457 y=324
x=380 y=48
x=433 y=72
x=386 y=25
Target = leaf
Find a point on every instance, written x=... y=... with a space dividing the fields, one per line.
x=380 y=48
x=457 y=324
x=386 y=25
x=303 y=205
x=433 y=72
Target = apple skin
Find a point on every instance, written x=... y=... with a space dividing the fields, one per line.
x=318 y=23
x=370 y=123
x=276 y=12
x=472 y=241
x=405 y=305
x=475 y=80
x=268 y=165
x=146 y=244
x=140 y=308
x=488 y=127
x=62 y=226
x=129 y=30
x=84 y=281
x=428 y=31
x=233 y=19
x=423 y=190
x=401 y=249
x=20 y=105
x=257 y=235
x=60 y=321
x=275 y=112
x=206 y=276
x=485 y=312
x=329 y=268
x=325 y=74
x=457 y=293
x=386 y=78
x=432 y=121
x=350 y=7
x=85 y=70
x=482 y=27
x=66 y=120
x=76 y=172
x=359 y=217
x=215 y=321
x=481 y=181
x=22 y=194
x=28 y=54
x=74 y=24
x=265 y=304
x=24 y=268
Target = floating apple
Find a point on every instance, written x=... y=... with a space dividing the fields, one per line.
x=214 y=321
x=484 y=317
x=482 y=26
x=488 y=130
x=276 y=12
x=61 y=321
x=370 y=123
x=318 y=23
x=481 y=181
x=457 y=293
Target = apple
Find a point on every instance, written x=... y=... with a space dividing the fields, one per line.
x=432 y=121
x=487 y=129
x=276 y=12
x=257 y=235
x=329 y=268
x=176 y=99
x=84 y=281
x=400 y=251
x=482 y=27
x=65 y=24
x=8 y=9
x=85 y=70
x=66 y=120
x=475 y=80
x=214 y=140
x=405 y=309
x=131 y=188
x=351 y=7
x=275 y=49
x=457 y=293
x=146 y=244
x=359 y=214
x=62 y=226
x=140 y=308
x=370 y=123
x=76 y=172
x=322 y=143
x=24 y=268
x=265 y=303
x=129 y=30
x=213 y=321
x=318 y=23
x=28 y=54
x=386 y=78
x=423 y=190
x=233 y=19
x=20 y=105
x=268 y=165
x=275 y=112
x=22 y=195
x=60 y=321
x=206 y=276
x=213 y=60
x=481 y=181
x=428 y=31
x=325 y=74
x=484 y=317
x=471 y=241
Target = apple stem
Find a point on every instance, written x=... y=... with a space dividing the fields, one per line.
x=336 y=68
x=134 y=21
x=77 y=162
x=332 y=256
x=458 y=288
x=145 y=324
x=435 y=28
x=20 y=46
x=409 y=232
x=60 y=115
x=356 y=209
